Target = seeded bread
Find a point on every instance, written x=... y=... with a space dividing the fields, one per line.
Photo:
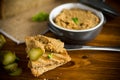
x=48 y=45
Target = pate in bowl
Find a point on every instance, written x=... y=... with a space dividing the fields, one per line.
x=75 y=23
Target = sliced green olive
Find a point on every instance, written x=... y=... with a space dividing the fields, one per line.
x=35 y=53
x=11 y=67
x=7 y=57
x=2 y=41
x=17 y=72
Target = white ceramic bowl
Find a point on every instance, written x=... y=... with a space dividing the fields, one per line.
x=75 y=36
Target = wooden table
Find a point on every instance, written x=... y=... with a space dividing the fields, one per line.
x=85 y=65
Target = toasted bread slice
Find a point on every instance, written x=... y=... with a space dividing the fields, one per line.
x=48 y=46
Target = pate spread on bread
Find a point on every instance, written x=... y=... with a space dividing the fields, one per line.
x=50 y=47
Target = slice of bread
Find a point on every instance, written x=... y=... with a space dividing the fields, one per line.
x=48 y=45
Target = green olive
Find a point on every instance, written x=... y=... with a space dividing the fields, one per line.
x=11 y=67
x=35 y=53
x=17 y=72
x=2 y=41
x=7 y=57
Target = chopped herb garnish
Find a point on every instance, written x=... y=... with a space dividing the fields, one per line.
x=41 y=16
x=75 y=20
x=50 y=55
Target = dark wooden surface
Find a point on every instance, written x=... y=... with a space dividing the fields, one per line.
x=85 y=65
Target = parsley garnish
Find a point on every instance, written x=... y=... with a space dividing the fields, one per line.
x=50 y=55
x=41 y=16
x=75 y=20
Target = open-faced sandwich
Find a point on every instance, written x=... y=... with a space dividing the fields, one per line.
x=45 y=53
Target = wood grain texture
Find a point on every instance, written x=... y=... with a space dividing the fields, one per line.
x=85 y=65
x=0 y=9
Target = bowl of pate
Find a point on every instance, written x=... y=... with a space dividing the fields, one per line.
x=75 y=22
